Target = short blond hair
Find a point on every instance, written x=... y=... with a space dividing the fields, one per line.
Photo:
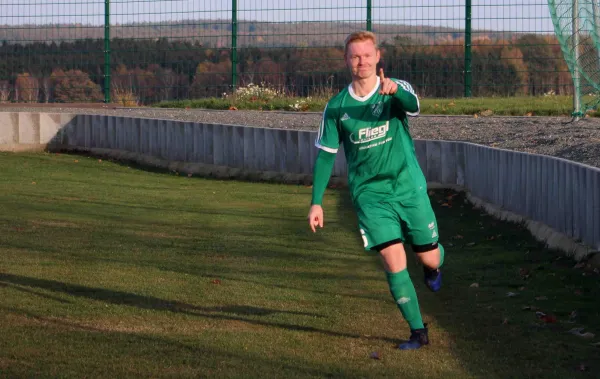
x=359 y=37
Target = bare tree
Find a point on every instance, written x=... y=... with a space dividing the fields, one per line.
x=46 y=86
x=4 y=91
x=28 y=88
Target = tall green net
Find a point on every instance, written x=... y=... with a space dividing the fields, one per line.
x=576 y=24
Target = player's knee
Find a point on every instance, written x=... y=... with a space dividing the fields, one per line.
x=428 y=254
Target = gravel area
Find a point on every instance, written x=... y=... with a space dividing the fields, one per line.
x=577 y=141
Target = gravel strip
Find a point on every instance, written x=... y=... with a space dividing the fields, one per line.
x=555 y=136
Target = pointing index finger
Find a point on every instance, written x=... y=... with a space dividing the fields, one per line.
x=381 y=74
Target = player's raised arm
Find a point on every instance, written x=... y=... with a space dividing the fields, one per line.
x=406 y=98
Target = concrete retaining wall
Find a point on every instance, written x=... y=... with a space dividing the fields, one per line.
x=557 y=197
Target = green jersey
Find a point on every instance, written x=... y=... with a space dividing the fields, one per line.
x=379 y=151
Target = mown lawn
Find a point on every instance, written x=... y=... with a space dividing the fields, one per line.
x=109 y=270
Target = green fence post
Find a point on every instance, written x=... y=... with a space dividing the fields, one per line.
x=369 y=8
x=233 y=44
x=576 y=77
x=468 y=49
x=107 y=51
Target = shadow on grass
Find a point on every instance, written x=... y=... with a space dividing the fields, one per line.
x=238 y=312
x=104 y=344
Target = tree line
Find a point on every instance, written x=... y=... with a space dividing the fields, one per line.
x=151 y=70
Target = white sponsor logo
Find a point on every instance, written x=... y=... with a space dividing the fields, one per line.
x=434 y=234
x=345 y=117
x=370 y=134
x=431 y=226
x=403 y=300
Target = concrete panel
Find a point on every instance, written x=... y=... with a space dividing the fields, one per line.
x=50 y=125
x=260 y=151
x=595 y=206
x=305 y=151
x=292 y=163
x=421 y=151
x=208 y=143
x=249 y=152
x=188 y=140
x=448 y=163
x=271 y=148
x=9 y=128
x=29 y=128
x=237 y=146
x=434 y=161
x=217 y=143
x=226 y=143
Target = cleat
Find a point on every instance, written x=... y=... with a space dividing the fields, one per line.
x=418 y=338
x=433 y=278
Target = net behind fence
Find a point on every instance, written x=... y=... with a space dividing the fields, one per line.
x=576 y=24
x=144 y=52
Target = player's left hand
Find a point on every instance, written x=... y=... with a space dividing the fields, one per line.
x=387 y=85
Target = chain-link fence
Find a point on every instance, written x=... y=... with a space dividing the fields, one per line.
x=147 y=51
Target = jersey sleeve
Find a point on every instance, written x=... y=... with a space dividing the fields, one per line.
x=406 y=98
x=329 y=137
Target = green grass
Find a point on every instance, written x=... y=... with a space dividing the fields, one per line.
x=487 y=106
x=108 y=270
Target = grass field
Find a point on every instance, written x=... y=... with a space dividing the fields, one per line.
x=109 y=270
x=486 y=106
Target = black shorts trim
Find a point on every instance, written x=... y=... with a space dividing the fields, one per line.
x=424 y=248
x=386 y=244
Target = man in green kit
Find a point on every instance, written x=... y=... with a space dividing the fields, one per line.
x=388 y=188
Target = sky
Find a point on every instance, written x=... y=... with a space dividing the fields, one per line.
x=501 y=15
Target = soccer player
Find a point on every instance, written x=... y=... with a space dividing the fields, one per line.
x=388 y=188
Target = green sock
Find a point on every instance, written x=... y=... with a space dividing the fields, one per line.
x=441 y=254
x=403 y=292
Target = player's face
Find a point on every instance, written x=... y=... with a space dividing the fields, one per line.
x=362 y=58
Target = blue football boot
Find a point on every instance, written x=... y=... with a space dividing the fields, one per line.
x=418 y=338
x=433 y=278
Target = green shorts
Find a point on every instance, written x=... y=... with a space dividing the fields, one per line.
x=409 y=221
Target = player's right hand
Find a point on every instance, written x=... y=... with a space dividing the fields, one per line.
x=315 y=217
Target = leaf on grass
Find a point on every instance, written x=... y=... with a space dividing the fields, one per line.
x=580 y=333
x=76 y=161
x=474 y=285
x=216 y=281
x=471 y=244
x=99 y=160
x=446 y=205
x=582 y=367
x=548 y=319
x=232 y=108
x=511 y=294
x=375 y=355
x=32 y=182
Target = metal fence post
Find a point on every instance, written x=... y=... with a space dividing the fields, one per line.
x=107 y=51
x=234 y=57
x=369 y=19
x=468 y=49
x=576 y=79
